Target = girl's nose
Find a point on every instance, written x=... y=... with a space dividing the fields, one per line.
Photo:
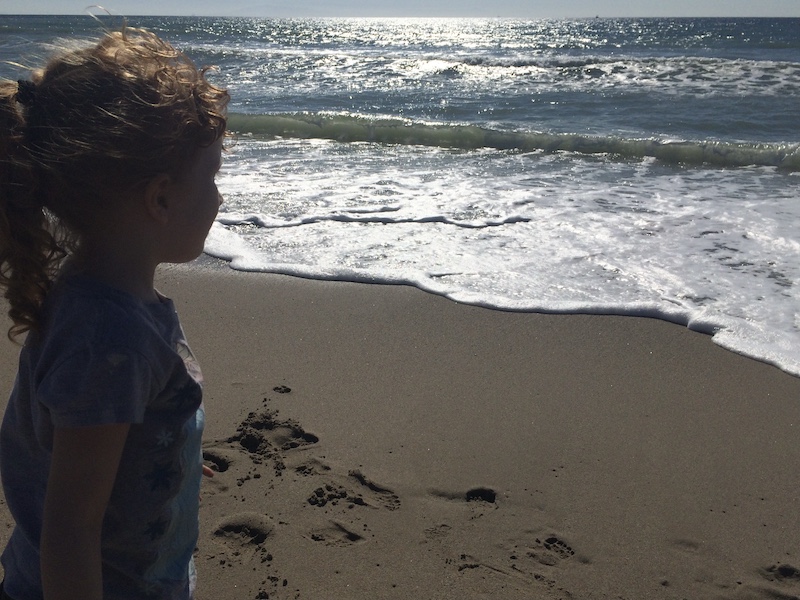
x=220 y=198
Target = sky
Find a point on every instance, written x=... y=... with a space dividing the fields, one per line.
x=420 y=8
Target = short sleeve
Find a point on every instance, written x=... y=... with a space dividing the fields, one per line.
x=97 y=387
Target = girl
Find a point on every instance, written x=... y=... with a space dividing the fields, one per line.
x=108 y=159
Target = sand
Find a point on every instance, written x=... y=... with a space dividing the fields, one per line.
x=380 y=442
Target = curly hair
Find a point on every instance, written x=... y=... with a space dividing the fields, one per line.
x=94 y=122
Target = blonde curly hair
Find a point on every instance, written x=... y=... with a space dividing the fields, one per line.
x=94 y=122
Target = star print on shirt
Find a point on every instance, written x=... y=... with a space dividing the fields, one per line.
x=156 y=529
x=161 y=476
x=165 y=439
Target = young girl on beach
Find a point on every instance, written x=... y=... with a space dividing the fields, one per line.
x=108 y=159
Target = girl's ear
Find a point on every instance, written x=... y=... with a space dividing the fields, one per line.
x=157 y=197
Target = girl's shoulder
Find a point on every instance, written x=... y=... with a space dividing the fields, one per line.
x=81 y=306
x=101 y=352
x=84 y=317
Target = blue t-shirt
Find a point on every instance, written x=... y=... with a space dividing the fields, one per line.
x=106 y=357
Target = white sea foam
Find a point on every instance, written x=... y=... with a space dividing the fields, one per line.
x=716 y=250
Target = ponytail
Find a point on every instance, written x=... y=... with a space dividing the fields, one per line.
x=95 y=121
x=29 y=250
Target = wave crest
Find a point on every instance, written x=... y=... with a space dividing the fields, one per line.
x=346 y=129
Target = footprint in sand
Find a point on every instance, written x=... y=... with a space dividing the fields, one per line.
x=783 y=573
x=779 y=581
x=549 y=551
x=478 y=494
x=377 y=495
x=355 y=490
x=556 y=547
x=264 y=432
x=263 y=436
x=220 y=460
x=243 y=539
x=335 y=534
x=784 y=578
x=481 y=494
x=438 y=532
x=480 y=500
x=245 y=529
x=312 y=467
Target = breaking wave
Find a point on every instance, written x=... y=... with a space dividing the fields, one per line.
x=346 y=129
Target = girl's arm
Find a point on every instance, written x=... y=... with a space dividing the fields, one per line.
x=82 y=474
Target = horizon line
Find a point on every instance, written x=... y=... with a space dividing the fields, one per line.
x=322 y=16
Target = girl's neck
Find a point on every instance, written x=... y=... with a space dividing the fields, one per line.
x=116 y=247
x=119 y=270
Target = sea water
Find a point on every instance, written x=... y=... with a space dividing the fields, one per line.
x=612 y=166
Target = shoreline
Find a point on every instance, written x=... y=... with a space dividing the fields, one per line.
x=718 y=332
x=377 y=441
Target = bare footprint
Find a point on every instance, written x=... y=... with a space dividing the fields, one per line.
x=220 y=459
x=264 y=432
x=549 y=551
x=264 y=438
x=377 y=495
x=511 y=576
x=480 y=501
x=783 y=573
x=354 y=490
x=438 y=532
x=335 y=534
x=477 y=494
x=779 y=581
x=311 y=467
x=245 y=529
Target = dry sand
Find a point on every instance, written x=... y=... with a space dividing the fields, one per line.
x=379 y=442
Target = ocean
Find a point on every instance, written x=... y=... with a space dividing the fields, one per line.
x=645 y=167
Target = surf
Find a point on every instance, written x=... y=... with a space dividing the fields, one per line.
x=350 y=129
